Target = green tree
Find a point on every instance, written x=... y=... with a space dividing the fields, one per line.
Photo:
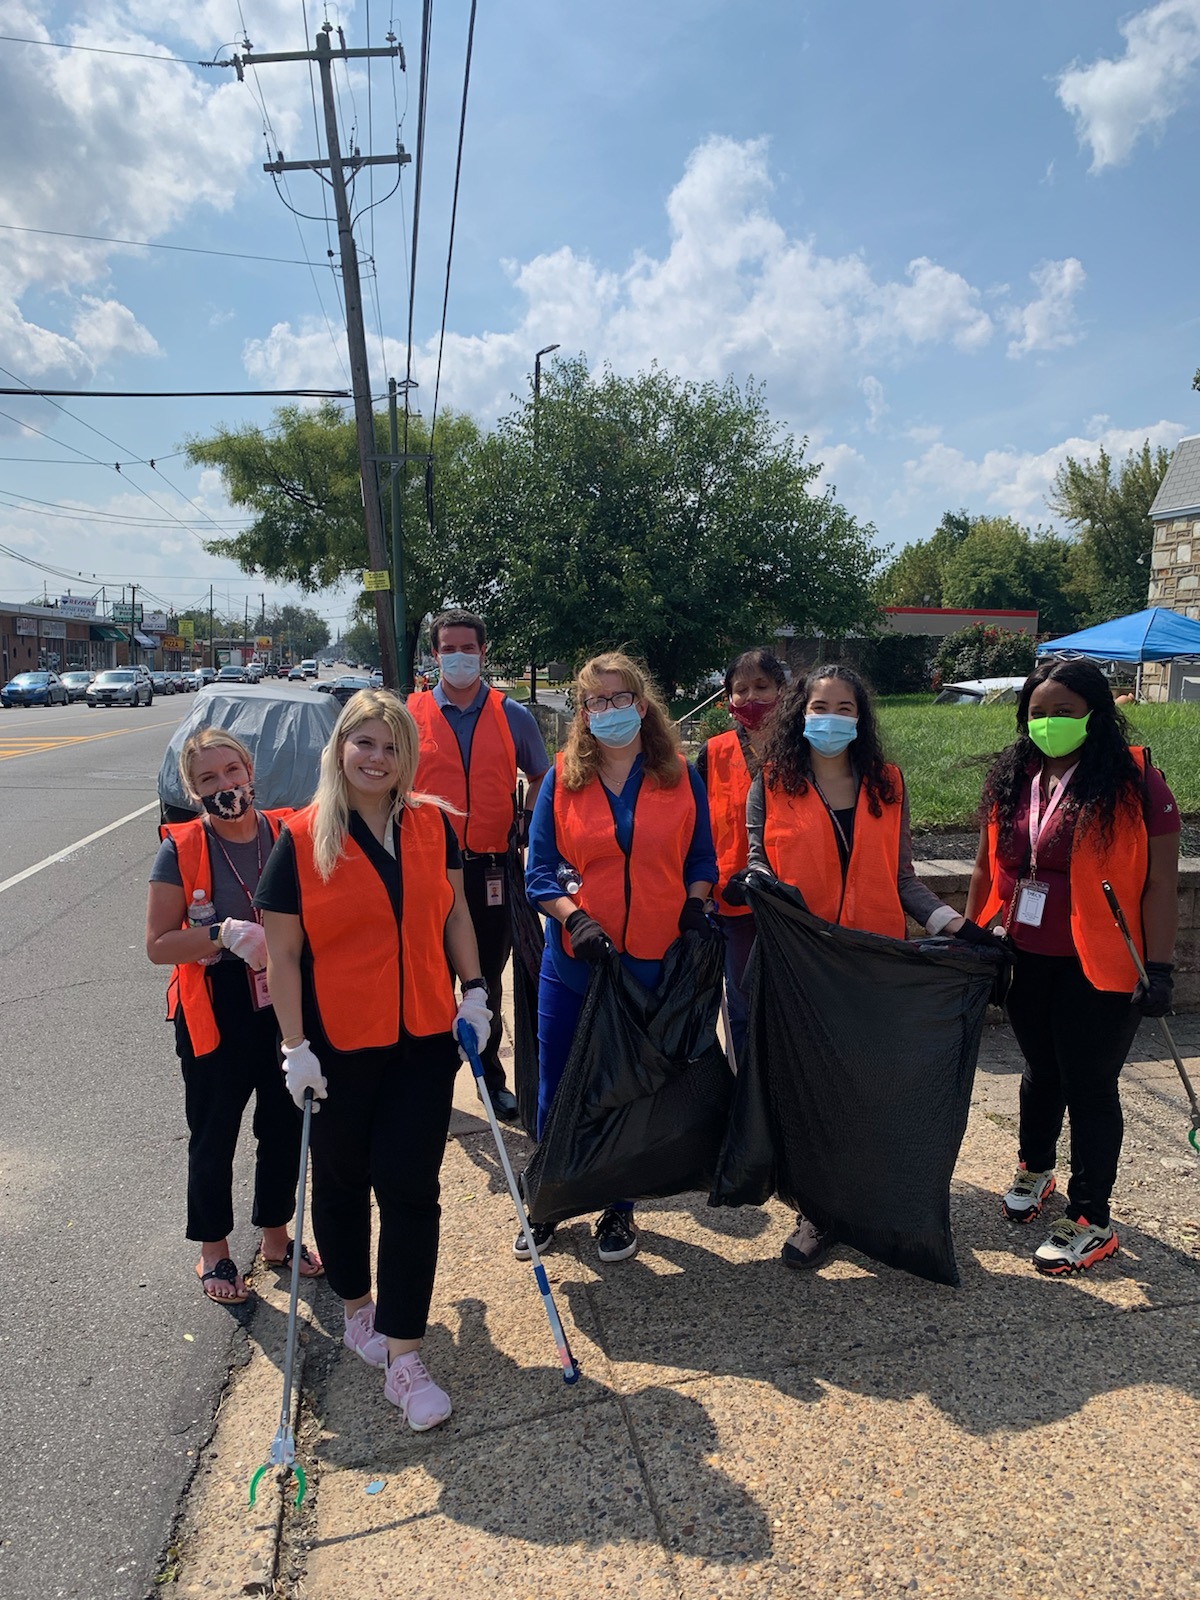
x=914 y=576
x=1110 y=510
x=1000 y=566
x=300 y=632
x=361 y=642
x=677 y=519
x=300 y=480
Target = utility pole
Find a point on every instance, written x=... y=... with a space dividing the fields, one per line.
x=132 y=626
x=360 y=381
x=212 y=650
x=537 y=398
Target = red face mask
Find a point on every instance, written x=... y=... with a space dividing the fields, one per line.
x=753 y=714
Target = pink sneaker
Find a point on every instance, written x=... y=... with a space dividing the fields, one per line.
x=410 y=1387
x=360 y=1336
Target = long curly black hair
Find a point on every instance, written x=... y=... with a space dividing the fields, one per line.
x=788 y=759
x=1107 y=780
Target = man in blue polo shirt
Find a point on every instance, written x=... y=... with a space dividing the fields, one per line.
x=474 y=740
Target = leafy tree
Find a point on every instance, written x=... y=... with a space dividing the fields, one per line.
x=1000 y=566
x=914 y=577
x=301 y=632
x=361 y=642
x=1110 y=509
x=300 y=479
x=983 y=651
x=674 y=518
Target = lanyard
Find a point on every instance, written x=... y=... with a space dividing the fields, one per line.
x=1038 y=823
x=841 y=832
x=248 y=892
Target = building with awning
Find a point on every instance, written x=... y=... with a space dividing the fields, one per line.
x=49 y=637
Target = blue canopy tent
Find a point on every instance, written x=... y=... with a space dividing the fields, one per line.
x=1155 y=634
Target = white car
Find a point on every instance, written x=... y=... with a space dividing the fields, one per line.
x=981 y=691
x=309 y=668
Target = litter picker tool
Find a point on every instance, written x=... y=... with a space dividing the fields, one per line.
x=466 y=1038
x=283 y=1447
x=1114 y=905
x=729 y=1046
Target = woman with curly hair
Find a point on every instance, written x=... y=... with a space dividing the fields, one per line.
x=829 y=816
x=1067 y=806
x=366 y=927
x=624 y=813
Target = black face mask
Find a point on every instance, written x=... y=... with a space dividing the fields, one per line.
x=229 y=804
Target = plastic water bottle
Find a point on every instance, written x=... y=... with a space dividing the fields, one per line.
x=202 y=914
x=569 y=880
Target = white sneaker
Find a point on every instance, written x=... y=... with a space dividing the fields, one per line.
x=408 y=1385
x=1075 y=1246
x=1027 y=1197
x=360 y=1336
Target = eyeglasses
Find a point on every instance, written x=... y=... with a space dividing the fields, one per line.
x=602 y=702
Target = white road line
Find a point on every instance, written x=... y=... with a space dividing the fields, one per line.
x=59 y=855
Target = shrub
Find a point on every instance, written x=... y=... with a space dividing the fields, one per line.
x=983 y=651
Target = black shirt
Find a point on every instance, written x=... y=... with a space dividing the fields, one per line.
x=279 y=887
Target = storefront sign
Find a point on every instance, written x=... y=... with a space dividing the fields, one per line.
x=27 y=627
x=54 y=627
x=76 y=605
x=173 y=641
x=155 y=622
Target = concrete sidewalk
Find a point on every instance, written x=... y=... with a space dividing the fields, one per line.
x=741 y=1428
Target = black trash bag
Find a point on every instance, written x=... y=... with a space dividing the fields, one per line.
x=528 y=942
x=644 y=1099
x=852 y=1101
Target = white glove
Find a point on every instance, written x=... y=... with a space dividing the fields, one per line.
x=473 y=1010
x=302 y=1071
x=246 y=939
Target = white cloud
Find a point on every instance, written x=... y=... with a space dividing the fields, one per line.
x=1048 y=322
x=1115 y=101
x=877 y=406
x=1015 y=482
x=733 y=293
x=104 y=328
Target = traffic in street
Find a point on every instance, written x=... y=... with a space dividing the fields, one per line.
x=113 y=1362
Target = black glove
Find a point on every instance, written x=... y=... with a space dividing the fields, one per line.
x=692 y=918
x=1153 y=998
x=972 y=933
x=734 y=892
x=589 y=942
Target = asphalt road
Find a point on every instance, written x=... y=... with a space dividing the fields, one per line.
x=111 y=1363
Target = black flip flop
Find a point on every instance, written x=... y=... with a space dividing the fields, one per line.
x=286 y=1264
x=227 y=1273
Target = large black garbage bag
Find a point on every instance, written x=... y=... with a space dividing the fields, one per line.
x=852 y=1101
x=528 y=941
x=644 y=1099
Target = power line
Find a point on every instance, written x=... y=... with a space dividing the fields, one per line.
x=422 y=106
x=462 y=129
x=149 y=244
x=175 y=394
x=99 y=50
x=63 y=509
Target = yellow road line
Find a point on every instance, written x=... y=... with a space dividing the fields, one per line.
x=14 y=745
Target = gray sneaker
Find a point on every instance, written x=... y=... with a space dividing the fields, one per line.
x=1027 y=1197
x=807 y=1245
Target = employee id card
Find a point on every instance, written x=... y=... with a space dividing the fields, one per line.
x=260 y=995
x=493 y=886
x=1031 y=903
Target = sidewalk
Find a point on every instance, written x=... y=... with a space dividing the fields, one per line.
x=741 y=1428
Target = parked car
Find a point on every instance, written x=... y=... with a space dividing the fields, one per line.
x=183 y=681
x=980 y=691
x=286 y=732
x=35 y=689
x=76 y=682
x=163 y=682
x=121 y=686
x=254 y=671
x=231 y=675
x=309 y=667
x=283 y=670
x=204 y=676
x=377 y=679
x=342 y=688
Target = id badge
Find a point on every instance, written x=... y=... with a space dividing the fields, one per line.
x=1031 y=903
x=493 y=884
x=260 y=995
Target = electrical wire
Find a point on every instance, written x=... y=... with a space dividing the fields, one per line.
x=312 y=90
x=149 y=244
x=100 y=50
x=422 y=107
x=65 y=511
x=462 y=129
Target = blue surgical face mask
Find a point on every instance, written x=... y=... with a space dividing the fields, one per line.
x=616 y=728
x=830 y=735
x=459 y=668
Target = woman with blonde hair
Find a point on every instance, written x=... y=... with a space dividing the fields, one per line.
x=225 y=1030
x=365 y=917
x=620 y=858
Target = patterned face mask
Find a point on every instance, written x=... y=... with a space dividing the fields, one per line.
x=229 y=804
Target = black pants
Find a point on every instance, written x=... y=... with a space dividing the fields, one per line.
x=1074 y=1039
x=383 y=1128
x=493 y=934
x=217 y=1088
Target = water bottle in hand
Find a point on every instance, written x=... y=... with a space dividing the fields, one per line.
x=569 y=880
x=202 y=914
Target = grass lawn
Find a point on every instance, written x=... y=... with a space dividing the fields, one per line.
x=943 y=752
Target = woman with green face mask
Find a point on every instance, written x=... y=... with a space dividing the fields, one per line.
x=1067 y=806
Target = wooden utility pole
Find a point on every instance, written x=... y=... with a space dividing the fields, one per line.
x=360 y=380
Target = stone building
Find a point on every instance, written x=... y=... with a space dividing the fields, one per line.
x=1175 y=562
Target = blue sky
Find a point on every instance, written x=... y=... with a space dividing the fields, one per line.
x=956 y=243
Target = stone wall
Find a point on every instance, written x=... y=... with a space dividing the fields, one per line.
x=1174 y=583
x=950 y=881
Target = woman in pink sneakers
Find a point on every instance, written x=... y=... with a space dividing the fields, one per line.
x=365 y=918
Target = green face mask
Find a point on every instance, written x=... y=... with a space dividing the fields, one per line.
x=1058 y=736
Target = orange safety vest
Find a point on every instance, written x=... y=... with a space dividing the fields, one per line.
x=728 y=790
x=366 y=972
x=485 y=793
x=1098 y=941
x=190 y=985
x=801 y=846
x=636 y=898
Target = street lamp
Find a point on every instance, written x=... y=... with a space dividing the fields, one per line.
x=546 y=350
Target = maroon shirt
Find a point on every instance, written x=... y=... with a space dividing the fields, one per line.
x=1053 y=937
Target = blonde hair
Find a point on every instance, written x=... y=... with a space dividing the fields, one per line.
x=332 y=802
x=209 y=739
x=660 y=741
